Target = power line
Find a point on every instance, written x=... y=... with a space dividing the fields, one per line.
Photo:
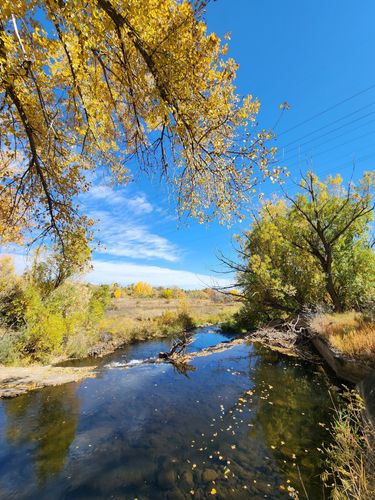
x=333 y=123
x=330 y=108
x=319 y=153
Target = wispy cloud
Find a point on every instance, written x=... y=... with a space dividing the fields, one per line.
x=105 y=194
x=139 y=204
x=128 y=239
x=123 y=225
x=136 y=204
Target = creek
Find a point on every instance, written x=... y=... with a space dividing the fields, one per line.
x=245 y=422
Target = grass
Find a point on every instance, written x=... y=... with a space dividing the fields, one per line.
x=350 y=470
x=140 y=319
x=352 y=333
x=141 y=309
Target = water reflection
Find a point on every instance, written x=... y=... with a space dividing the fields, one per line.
x=245 y=423
x=45 y=423
x=291 y=407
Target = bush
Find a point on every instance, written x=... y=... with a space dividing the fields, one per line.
x=117 y=293
x=350 y=458
x=142 y=289
x=167 y=293
x=174 y=322
x=9 y=347
x=40 y=322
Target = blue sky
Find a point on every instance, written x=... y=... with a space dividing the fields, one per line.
x=316 y=55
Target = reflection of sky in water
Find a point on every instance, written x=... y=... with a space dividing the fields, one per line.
x=247 y=416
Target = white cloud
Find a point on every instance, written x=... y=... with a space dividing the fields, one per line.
x=104 y=193
x=126 y=273
x=122 y=238
x=122 y=226
x=136 y=204
x=139 y=204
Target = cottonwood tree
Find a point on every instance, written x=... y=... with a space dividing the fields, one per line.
x=329 y=221
x=309 y=248
x=96 y=83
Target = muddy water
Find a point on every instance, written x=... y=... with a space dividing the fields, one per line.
x=243 y=423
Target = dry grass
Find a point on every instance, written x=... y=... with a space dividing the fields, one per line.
x=138 y=319
x=351 y=333
x=350 y=470
x=143 y=309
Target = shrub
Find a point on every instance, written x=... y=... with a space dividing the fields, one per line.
x=167 y=293
x=40 y=321
x=142 y=289
x=350 y=458
x=9 y=347
x=174 y=322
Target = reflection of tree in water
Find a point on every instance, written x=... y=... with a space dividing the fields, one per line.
x=291 y=412
x=47 y=418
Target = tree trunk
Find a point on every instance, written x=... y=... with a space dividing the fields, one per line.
x=331 y=289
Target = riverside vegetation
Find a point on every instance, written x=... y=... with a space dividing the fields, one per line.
x=312 y=256
x=41 y=320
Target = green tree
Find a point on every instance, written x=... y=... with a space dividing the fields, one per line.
x=51 y=268
x=309 y=249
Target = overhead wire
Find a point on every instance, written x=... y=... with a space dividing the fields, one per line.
x=326 y=110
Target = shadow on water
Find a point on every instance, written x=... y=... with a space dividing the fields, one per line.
x=246 y=422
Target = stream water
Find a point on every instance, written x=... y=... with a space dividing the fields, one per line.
x=242 y=423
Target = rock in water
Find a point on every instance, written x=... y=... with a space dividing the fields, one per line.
x=209 y=475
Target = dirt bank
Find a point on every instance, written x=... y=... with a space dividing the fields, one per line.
x=15 y=381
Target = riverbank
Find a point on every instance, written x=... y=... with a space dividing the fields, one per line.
x=126 y=320
x=346 y=341
x=15 y=381
x=122 y=325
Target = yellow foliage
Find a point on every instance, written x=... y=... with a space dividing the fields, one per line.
x=142 y=289
x=167 y=293
x=117 y=293
x=107 y=73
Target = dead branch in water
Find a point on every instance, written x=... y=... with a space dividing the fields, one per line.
x=291 y=337
x=178 y=347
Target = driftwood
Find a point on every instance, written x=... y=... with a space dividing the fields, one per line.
x=290 y=337
x=176 y=355
x=178 y=347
